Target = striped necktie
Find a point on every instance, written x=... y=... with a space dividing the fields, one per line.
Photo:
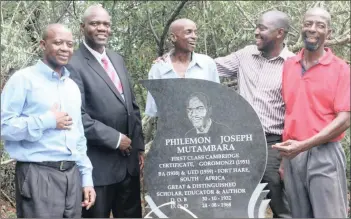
x=112 y=74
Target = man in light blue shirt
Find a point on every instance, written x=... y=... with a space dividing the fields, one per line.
x=182 y=61
x=42 y=128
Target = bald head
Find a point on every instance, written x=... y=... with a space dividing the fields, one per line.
x=179 y=24
x=183 y=34
x=277 y=19
x=54 y=28
x=92 y=10
x=321 y=12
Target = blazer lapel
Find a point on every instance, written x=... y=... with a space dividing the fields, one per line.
x=95 y=65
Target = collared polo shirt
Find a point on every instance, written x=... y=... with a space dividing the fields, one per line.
x=314 y=98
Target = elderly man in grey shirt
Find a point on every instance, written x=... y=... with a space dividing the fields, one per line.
x=182 y=61
x=259 y=71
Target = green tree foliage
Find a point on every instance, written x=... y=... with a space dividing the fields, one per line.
x=140 y=28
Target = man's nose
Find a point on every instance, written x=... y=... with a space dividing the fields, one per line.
x=313 y=27
x=64 y=47
x=194 y=35
x=101 y=27
x=257 y=31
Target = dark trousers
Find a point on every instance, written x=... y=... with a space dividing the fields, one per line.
x=45 y=192
x=278 y=203
x=122 y=198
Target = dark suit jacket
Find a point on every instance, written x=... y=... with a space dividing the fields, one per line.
x=105 y=115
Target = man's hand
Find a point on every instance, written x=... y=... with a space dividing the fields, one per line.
x=163 y=58
x=89 y=197
x=141 y=159
x=125 y=144
x=63 y=120
x=289 y=148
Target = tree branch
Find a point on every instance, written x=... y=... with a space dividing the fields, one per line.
x=113 y=9
x=152 y=28
x=64 y=12
x=342 y=41
x=13 y=17
x=345 y=25
x=74 y=10
x=168 y=23
x=8 y=198
x=243 y=13
x=7 y=161
x=339 y=13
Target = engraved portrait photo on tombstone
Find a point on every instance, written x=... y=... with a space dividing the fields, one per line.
x=199 y=111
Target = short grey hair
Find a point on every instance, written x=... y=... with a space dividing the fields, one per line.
x=88 y=11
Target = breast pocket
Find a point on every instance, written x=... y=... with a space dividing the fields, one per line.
x=41 y=97
x=71 y=99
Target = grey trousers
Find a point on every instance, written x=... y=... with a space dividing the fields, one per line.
x=45 y=192
x=279 y=202
x=315 y=182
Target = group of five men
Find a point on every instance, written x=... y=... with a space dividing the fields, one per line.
x=71 y=120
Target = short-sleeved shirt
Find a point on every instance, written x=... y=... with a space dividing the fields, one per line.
x=201 y=67
x=315 y=96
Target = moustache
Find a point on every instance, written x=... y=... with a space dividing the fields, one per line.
x=309 y=45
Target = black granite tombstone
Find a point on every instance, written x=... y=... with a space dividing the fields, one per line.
x=209 y=153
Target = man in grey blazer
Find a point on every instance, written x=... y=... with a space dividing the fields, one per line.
x=111 y=120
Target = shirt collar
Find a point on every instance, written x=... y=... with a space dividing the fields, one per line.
x=324 y=60
x=96 y=54
x=49 y=72
x=195 y=59
x=284 y=54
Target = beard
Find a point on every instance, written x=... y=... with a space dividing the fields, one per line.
x=267 y=47
x=310 y=46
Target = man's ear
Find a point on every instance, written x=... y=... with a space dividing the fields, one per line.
x=173 y=38
x=43 y=45
x=281 y=33
x=330 y=31
x=82 y=25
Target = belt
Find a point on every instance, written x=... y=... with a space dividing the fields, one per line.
x=59 y=165
x=273 y=137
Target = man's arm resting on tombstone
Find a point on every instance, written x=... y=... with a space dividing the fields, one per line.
x=14 y=126
x=95 y=131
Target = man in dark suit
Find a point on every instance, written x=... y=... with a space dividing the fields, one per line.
x=111 y=120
